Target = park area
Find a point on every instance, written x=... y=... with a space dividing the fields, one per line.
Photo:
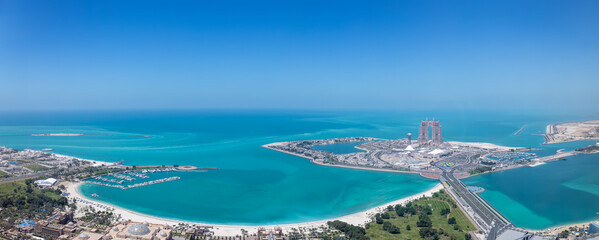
x=436 y=217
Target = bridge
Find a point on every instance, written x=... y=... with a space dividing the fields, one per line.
x=480 y=212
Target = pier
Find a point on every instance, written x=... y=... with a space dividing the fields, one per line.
x=519 y=131
x=109 y=180
x=120 y=176
x=142 y=174
x=168 y=179
x=139 y=175
x=153 y=182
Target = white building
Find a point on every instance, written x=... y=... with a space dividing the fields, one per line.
x=47 y=182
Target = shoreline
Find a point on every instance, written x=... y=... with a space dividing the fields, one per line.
x=95 y=163
x=560 y=228
x=339 y=165
x=359 y=218
x=553 y=136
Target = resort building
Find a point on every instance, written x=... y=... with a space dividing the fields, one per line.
x=270 y=234
x=89 y=236
x=139 y=231
x=593 y=228
x=48 y=230
x=55 y=225
x=423 y=132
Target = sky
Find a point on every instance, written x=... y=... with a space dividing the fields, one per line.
x=505 y=55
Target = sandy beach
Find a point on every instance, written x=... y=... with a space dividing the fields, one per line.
x=359 y=218
x=94 y=163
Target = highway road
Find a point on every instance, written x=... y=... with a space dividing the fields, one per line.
x=485 y=215
x=26 y=176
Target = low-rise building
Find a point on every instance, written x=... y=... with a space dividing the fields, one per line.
x=139 y=231
x=46 y=182
x=270 y=234
x=48 y=230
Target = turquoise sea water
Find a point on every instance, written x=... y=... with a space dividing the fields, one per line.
x=258 y=186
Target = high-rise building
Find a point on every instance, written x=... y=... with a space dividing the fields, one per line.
x=409 y=138
x=423 y=131
x=593 y=228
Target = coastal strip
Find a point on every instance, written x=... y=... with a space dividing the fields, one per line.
x=312 y=160
x=359 y=218
x=572 y=131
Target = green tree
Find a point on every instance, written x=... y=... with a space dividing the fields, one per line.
x=401 y=211
x=394 y=230
x=386 y=226
x=445 y=211
x=427 y=232
x=564 y=234
x=451 y=220
x=424 y=221
x=353 y=232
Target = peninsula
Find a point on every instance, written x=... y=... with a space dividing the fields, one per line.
x=447 y=161
x=572 y=131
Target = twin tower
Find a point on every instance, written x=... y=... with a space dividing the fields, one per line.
x=423 y=131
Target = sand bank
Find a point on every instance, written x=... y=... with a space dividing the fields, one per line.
x=487 y=146
x=359 y=218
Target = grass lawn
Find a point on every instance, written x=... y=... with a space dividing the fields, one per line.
x=440 y=222
x=4 y=174
x=20 y=186
x=27 y=201
x=53 y=195
x=8 y=188
x=37 y=167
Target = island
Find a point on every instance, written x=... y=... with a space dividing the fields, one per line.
x=572 y=131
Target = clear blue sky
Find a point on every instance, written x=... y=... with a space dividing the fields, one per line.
x=299 y=54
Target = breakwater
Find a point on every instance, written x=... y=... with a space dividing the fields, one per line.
x=520 y=131
x=162 y=180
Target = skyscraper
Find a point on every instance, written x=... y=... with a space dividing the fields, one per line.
x=423 y=131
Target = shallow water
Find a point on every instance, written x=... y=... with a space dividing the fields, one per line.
x=257 y=186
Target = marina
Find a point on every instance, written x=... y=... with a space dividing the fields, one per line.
x=141 y=174
x=162 y=180
x=511 y=156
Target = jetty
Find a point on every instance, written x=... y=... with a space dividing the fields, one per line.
x=154 y=182
x=158 y=170
x=120 y=176
x=168 y=179
x=139 y=175
x=110 y=180
x=519 y=131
